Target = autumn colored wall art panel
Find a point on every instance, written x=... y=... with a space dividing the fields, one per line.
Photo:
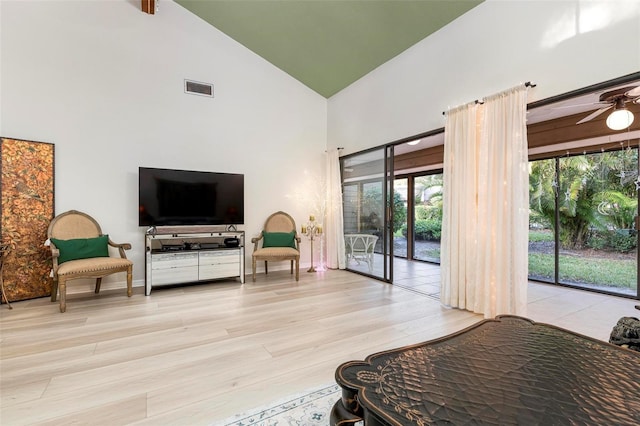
x=27 y=207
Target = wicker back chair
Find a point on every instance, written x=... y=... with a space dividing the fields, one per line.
x=74 y=226
x=360 y=247
x=279 y=222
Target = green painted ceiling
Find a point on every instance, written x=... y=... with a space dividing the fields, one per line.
x=328 y=44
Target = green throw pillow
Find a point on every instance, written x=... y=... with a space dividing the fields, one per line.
x=278 y=239
x=82 y=248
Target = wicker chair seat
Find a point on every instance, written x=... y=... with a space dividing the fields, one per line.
x=95 y=264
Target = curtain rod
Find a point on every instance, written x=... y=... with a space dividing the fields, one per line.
x=338 y=148
x=480 y=101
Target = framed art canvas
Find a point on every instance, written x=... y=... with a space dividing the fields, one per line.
x=26 y=208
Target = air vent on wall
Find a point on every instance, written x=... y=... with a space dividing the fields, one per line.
x=198 y=88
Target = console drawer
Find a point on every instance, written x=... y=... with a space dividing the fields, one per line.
x=174 y=275
x=217 y=257
x=174 y=260
x=221 y=270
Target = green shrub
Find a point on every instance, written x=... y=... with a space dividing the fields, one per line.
x=428 y=229
x=540 y=236
x=597 y=240
x=372 y=202
x=422 y=212
x=428 y=212
x=621 y=240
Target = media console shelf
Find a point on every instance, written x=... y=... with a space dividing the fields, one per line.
x=183 y=257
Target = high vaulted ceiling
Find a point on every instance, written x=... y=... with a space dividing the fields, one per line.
x=328 y=44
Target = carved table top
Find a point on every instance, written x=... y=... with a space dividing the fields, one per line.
x=504 y=371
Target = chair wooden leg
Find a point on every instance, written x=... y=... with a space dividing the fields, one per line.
x=253 y=266
x=291 y=266
x=129 y=281
x=266 y=271
x=54 y=290
x=63 y=295
x=298 y=269
x=98 y=282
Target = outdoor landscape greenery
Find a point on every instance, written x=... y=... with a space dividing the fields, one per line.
x=597 y=201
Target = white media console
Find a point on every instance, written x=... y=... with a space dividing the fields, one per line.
x=184 y=257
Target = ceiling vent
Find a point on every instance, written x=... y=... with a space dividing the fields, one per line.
x=198 y=88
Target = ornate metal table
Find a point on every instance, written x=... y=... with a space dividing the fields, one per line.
x=509 y=370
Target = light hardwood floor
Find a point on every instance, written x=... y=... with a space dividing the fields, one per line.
x=199 y=354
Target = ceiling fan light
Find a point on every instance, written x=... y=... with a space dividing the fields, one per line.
x=620 y=119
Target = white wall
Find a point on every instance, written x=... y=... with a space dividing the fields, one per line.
x=103 y=81
x=560 y=45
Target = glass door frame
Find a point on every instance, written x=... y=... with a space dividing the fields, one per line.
x=386 y=183
x=556 y=275
x=388 y=195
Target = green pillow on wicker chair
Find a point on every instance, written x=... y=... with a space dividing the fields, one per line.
x=278 y=239
x=82 y=248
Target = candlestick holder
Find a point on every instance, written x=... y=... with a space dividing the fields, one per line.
x=312 y=230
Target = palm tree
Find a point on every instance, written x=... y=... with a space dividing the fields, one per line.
x=428 y=193
x=595 y=191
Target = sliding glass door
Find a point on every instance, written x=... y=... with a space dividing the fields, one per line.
x=543 y=188
x=366 y=219
x=427 y=217
x=583 y=211
x=400 y=202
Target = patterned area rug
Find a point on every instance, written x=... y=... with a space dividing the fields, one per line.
x=309 y=409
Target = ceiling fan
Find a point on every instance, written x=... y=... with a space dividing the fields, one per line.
x=617 y=99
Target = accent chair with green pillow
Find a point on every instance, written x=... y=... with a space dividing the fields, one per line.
x=80 y=250
x=278 y=241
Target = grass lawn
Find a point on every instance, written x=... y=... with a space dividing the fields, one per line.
x=601 y=272
x=538 y=236
x=581 y=270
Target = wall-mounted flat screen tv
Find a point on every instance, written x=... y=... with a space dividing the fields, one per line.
x=181 y=197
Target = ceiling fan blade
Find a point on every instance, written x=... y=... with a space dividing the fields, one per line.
x=578 y=105
x=633 y=92
x=594 y=114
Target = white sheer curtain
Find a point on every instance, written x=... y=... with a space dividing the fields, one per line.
x=460 y=175
x=334 y=225
x=486 y=206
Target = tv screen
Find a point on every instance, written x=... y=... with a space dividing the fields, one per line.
x=182 y=197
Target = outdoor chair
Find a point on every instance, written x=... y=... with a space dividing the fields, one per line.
x=359 y=247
